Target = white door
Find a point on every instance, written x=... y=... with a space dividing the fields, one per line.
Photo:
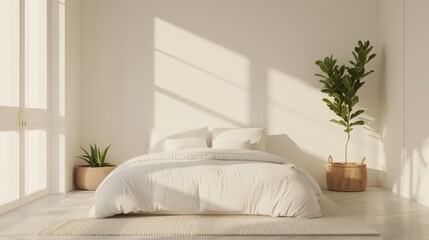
x=23 y=101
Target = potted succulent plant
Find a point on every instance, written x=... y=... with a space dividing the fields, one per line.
x=88 y=177
x=341 y=83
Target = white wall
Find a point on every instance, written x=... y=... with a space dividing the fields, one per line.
x=56 y=176
x=413 y=181
x=224 y=63
x=392 y=89
x=405 y=134
x=64 y=90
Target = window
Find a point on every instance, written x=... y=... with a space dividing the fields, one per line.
x=23 y=101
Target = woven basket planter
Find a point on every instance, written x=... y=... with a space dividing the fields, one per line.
x=350 y=177
x=89 y=178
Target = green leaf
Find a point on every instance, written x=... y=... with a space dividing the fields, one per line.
x=350 y=93
x=360 y=122
x=362 y=56
x=330 y=105
x=355 y=56
x=347 y=82
x=84 y=156
x=323 y=81
x=371 y=57
x=341 y=71
x=336 y=96
x=341 y=83
x=341 y=123
x=357 y=113
x=322 y=66
x=93 y=153
x=348 y=130
x=85 y=159
x=354 y=101
x=84 y=150
x=368 y=50
x=366 y=74
x=99 y=158
x=320 y=75
x=95 y=157
x=103 y=156
x=345 y=112
x=366 y=44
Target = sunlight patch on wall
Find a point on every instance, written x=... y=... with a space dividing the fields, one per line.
x=414 y=181
x=297 y=109
x=423 y=181
x=409 y=172
x=176 y=111
x=197 y=80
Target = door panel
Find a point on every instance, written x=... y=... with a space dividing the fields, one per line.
x=36 y=118
x=9 y=49
x=9 y=117
x=36 y=54
x=9 y=162
x=10 y=158
x=35 y=160
x=23 y=102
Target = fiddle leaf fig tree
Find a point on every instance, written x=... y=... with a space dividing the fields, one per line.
x=341 y=83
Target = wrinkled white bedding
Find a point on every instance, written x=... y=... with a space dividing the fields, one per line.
x=213 y=181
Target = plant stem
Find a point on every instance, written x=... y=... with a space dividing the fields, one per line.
x=347 y=143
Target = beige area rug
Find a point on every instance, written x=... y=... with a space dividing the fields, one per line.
x=334 y=222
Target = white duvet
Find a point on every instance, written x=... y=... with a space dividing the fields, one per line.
x=208 y=181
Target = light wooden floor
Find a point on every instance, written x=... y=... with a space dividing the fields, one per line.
x=394 y=217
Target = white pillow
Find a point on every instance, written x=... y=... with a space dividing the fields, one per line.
x=232 y=144
x=159 y=135
x=184 y=143
x=257 y=136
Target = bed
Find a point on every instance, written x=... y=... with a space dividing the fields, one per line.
x=186 y=176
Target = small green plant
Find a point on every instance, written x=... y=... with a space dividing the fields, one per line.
x=96 y=157
x=342 y=83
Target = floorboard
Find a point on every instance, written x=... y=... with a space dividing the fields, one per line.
x=393 y=216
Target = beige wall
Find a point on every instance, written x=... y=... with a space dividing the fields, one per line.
x=132 y=65
x=72 y=87
x=405 y=35
x=413 y=181
x=392 y=89
x=224 y=63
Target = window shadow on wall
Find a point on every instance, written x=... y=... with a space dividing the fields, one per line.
x=209 y=63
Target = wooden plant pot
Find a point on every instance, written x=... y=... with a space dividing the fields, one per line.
x=89 y=178
x=350 y=177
